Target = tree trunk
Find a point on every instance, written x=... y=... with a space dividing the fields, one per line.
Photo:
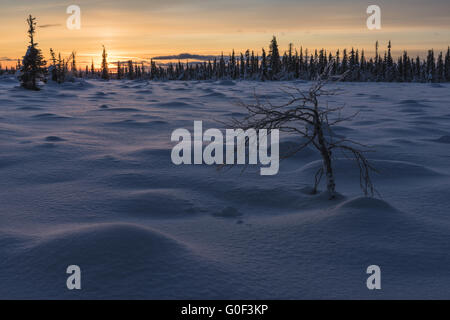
x=331 y=185
x=326 y=158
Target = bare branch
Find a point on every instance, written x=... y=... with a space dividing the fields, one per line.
x=302 y=115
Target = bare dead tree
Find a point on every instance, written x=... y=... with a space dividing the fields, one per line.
x=304 y=115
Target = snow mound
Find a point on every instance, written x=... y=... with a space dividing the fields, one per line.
x=49 y=116
x=443 y=139
x=75 y=84
x=110 y=200
x=345 y=169
x=366 y=203
x=120 y=109
x=54 y=139
x=103 y=239
x=364 y=215
x=110 y=255
x=214 y=95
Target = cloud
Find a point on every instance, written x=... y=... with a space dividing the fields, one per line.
x=7 y=59
x=49 y=25
x=184 y=56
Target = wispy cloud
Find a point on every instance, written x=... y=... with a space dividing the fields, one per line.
x=49 y=25
x=184 y=56
x=7 y=59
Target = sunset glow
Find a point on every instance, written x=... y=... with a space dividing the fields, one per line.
x=140 y=30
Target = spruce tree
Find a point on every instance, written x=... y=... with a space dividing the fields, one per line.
x=363 y=67
x=233 y=65
x=301 y=67
x=263 y=65
x=274 y=61
x=389 y=65
x=74 y=64
x=119 y=70
x=447 y=65
x=53 y=68
x=440 y=76
x=344 y=66
x=105 y=71
x=92 y=68
x=290 y=58
x=242 y=64
x=430 y=67
x=33 y=66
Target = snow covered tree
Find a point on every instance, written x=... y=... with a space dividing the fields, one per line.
x=130 y=70
x=389 y=65
x=119 y=71
x=293 y=65
x=53 y=69
x=74 y=64
x=430 y=67
x=447 y=65
x=263 y=65
x=92 y=68
x=33 y=65
x=274 y=59
x=344 y=66
x=305 y=115
x=242 y=67
x=440 y=76
x=105 y=70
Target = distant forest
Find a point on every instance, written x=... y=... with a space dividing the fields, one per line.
x=291 y=65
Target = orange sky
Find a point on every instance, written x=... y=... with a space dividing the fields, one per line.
x=138 y=29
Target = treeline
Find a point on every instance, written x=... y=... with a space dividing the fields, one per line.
x=293 y=64
x=12 y=69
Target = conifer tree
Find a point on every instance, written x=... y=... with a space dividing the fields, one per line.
x=430 y=67
x=92 y=68
x=53 y=68
x=233 y=65
x=242 y=64
x=447 y=65
x=105 y=71
x=274 y=54
x=119 y=70
x=440 y=68
x=33 y=66
x=74 y=64
x=389 y=65
x=344 y=65
x=263 y=65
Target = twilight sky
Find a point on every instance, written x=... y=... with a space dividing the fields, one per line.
x=141 y=29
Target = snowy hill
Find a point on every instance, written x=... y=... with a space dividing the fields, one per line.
x=86 y=179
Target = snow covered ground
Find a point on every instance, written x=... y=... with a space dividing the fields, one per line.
x=87 y=179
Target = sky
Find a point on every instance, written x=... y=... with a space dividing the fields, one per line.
x=142 y=29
